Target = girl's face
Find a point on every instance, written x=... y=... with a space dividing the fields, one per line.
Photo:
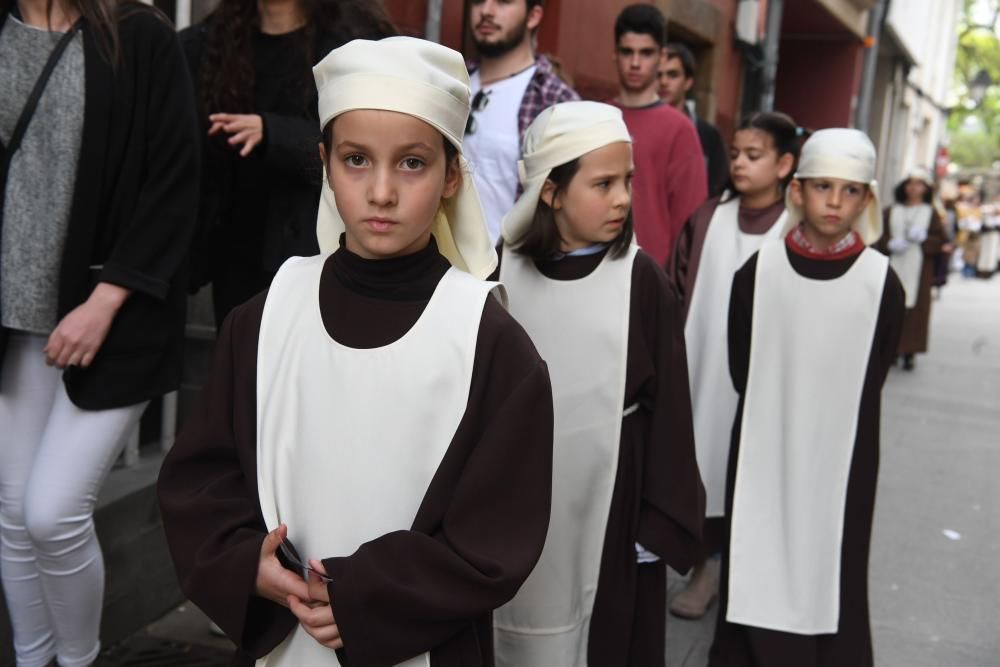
x=593 y=207
x=389 y=172
x=916 y=190
x=830 y=207
x=754 y=163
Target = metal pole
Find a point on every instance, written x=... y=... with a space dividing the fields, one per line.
x=876 y=19
x=772 y=40
x=432 y=29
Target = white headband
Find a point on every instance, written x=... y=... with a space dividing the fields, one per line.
x=558 y=135
x=848 y=155
x=424 y=80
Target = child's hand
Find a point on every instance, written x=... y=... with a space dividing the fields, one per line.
x=898 y=245
x=316 y=618
x=274 y=582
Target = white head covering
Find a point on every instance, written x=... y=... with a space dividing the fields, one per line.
x=920 y=174
x=558 y=135
x=424 y=80
x=850 y=156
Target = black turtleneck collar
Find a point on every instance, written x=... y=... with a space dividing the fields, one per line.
x=412 y=277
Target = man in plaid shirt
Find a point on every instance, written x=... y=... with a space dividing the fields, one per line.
x=511 y=85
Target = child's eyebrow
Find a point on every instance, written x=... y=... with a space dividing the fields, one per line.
x=604 y=176
x=352 y=145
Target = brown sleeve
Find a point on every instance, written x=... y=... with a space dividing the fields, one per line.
x=481 y=526
x=683 y=265
x=936 y=237
x=672 y=510
x=208 y=495
x=890 y=322
x=740 y=323
x=882 y=245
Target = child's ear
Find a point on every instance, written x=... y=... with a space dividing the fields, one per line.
x=549 y=195
x=323 y=158
x=452 y=178
x=785 y=165
x=795 y=192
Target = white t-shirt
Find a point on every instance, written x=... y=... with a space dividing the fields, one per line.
x=494 y=148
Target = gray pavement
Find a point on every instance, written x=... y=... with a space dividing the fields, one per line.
x=935 y=564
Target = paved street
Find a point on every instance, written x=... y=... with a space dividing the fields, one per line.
x=935 y=573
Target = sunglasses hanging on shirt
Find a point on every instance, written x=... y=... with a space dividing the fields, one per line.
x=479 y=102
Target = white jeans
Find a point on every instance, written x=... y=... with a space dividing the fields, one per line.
x=54 y=458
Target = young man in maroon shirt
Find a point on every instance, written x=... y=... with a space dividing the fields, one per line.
x=670 y=182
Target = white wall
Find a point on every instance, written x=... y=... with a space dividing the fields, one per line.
x=925 y=31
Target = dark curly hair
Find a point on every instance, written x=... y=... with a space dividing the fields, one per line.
x=227 y=71
x=899 y=194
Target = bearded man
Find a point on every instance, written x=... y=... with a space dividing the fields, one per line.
x=511 y=85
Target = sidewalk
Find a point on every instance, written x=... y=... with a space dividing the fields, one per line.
x=935 y=563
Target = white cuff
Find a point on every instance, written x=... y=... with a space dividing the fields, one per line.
x=644 y=555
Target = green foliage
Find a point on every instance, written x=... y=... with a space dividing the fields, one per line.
x=974 y=148
x=978 y=49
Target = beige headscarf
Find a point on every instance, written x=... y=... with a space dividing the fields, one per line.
x=558 y=135
x=920 y=174
x=848 y=155
x=424 y=80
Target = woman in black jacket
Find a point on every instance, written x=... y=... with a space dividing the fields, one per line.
x=251 y=63
x=99 y=177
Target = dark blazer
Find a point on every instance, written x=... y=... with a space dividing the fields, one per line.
x=133 y=210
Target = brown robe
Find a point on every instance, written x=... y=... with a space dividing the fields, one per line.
x=658 y=497
x=916 y=321
x=746 y=646
x=478 y=531
x=683 y=268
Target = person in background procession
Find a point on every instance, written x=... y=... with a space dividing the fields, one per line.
x=814 y=309
x=627 y=499
x=250 y=62
x=944 y=261
x=511 y=85
x=714 y=244
x=99 y=185
x=913 y=237
x=988 y=260
x=676 y=77
x=670 y=182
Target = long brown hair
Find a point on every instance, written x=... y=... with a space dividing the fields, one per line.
x=541 y=240
x=227 y=71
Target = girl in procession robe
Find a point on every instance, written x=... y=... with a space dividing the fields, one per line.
x=913 y=237
x=716 y=242
x=627 y=498
x=376 y=409
x=813 y=328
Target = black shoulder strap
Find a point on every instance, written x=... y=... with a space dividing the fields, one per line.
x=36 y=94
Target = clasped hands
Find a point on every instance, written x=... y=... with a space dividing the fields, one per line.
x=308 y=600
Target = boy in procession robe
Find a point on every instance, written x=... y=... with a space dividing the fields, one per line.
x=377 y=407
x=813 y=327
x=627 y=497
